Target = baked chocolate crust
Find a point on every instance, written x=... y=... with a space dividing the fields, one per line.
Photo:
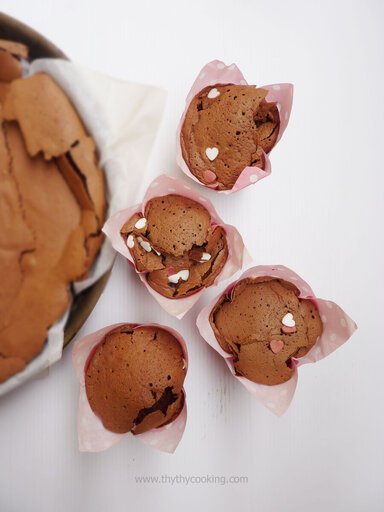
x=227 y=128
x=134 y=379
x=52 y=209
x=251 y=325
x=177 y=245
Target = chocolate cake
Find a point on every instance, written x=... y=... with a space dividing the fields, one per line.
x=175 y=243
x=134 y=379
x=11 y=55
x=264 y=324
x=52 y=208
x=227 y=128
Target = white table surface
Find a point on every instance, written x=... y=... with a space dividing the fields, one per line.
x=321 y=213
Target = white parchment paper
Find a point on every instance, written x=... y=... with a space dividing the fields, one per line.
x=123 y=118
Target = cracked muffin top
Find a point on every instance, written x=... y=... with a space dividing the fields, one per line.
x=264 y=324
x=175 y=243
x=134 y=379
x=52 y=207
x=227 y=128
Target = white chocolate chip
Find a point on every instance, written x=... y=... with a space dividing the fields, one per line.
x=211 y=153
x=158 y=253
x=175 y=278
x=213 y=93
x=205 y=256
x=288 y=320
x=130 y=241
x=141 y=223
x=184 y=274
x=184 y=364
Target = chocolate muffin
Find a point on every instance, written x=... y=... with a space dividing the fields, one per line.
x=177 y=245
x=134 y=379
x=227 y=128
x=52 y=208
x=263 y=325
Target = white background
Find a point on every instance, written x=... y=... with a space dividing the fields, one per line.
x=321 y=213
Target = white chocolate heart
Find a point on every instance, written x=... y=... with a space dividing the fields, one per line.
x=213 y=93
x=205 y=256
x=141 y=223
x=211 y=153
x=288 y=320
x=130 y=241
x=182 y=274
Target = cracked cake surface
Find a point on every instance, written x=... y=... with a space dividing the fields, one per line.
x=134 y=379
x=52 y=208
x=227 y=128
x=175 y=242
x=263 y=324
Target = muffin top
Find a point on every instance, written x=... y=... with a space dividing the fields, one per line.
x=264 y=324
x=227 y=128
x=134 y=379
x=177 y=245
x=175 y=224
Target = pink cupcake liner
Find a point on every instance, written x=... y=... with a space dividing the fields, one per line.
x=337 y=329
x=92 y=435
x=238 y=255
x=214 y=73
